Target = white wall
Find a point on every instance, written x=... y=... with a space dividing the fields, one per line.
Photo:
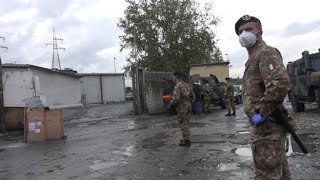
x=17 y=86
x=59 y=89
x=113 y=88
x=91 y=89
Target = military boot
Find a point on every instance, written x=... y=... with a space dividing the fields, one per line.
x=185 y=143
x=233 y=114
x=228 y=114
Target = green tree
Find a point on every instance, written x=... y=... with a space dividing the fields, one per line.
x=169 y=34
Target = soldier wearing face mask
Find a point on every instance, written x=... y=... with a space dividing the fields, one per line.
x=265 y=86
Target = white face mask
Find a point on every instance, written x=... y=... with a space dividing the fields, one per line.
x=247 y=39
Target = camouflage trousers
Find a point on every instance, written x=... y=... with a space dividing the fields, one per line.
x=184 y=120
x=270 y=160
x=230 y=105
x=206 y=104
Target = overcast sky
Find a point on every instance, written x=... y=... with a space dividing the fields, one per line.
x=90 y=34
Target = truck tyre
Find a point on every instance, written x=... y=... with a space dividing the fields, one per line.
x=296 y=105
x=223 y=104
x=239 y=100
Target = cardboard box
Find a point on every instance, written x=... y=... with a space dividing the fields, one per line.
x=44 y=125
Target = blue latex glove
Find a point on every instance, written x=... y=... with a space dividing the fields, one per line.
x=258 y=119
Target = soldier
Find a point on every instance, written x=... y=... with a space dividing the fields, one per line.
x=265 y=86
x=183 y=96
x=229 y=95
x=207 y=93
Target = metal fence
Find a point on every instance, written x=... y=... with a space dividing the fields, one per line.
x=147 y=90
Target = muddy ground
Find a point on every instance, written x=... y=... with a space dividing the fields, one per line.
x=110 y=142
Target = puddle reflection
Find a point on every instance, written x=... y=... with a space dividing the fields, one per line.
x=227 y=166
x=104 y=165
x=131 y=125
x=244 y=151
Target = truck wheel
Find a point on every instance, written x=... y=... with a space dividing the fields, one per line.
x=239 y=100
x=296 y=106
x=223 y=104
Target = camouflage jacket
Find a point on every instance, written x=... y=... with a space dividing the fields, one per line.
x=266 y=81
x=183 y=94
x=229 y=90
x=207 y=92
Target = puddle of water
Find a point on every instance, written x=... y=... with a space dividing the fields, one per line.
x=229 y=135
x=291 y=145
x=192 y=125
x=105 y=165
x=243 y=151
x=227 y=166
x=153 y=146
x=242 y=125
x=12 y=145
x=82 y=125
x=97 y=161
x=243 y=132
x=306 y=140
x=153 y=142
x=131 y=125
x=127 y=151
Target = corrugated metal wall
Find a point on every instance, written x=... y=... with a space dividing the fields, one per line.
x=113 y=88
x=96 y=89
x=90 y=90
x=148 y=98
x=60 y=89
x=153 y=91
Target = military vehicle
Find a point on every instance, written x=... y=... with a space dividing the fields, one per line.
x=218 y=90
x=304 y=76
x=238 y=94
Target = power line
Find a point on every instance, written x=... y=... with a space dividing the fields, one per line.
x=25 y=46
x=22 y=34
x=55 y=53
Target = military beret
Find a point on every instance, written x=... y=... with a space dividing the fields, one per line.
x=243 y=20
x=227 y=78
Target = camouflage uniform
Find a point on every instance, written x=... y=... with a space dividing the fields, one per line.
x=184 y=96
x=207 y=92
x=229 y=94
x=266 y=84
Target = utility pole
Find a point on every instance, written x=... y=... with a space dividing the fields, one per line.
x=55 y=53
x=114 y=64
x=2 y=127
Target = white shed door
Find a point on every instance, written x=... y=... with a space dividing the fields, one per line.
x=93 y=93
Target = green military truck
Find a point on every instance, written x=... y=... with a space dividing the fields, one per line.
x=218 y=90
x=304 y=76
